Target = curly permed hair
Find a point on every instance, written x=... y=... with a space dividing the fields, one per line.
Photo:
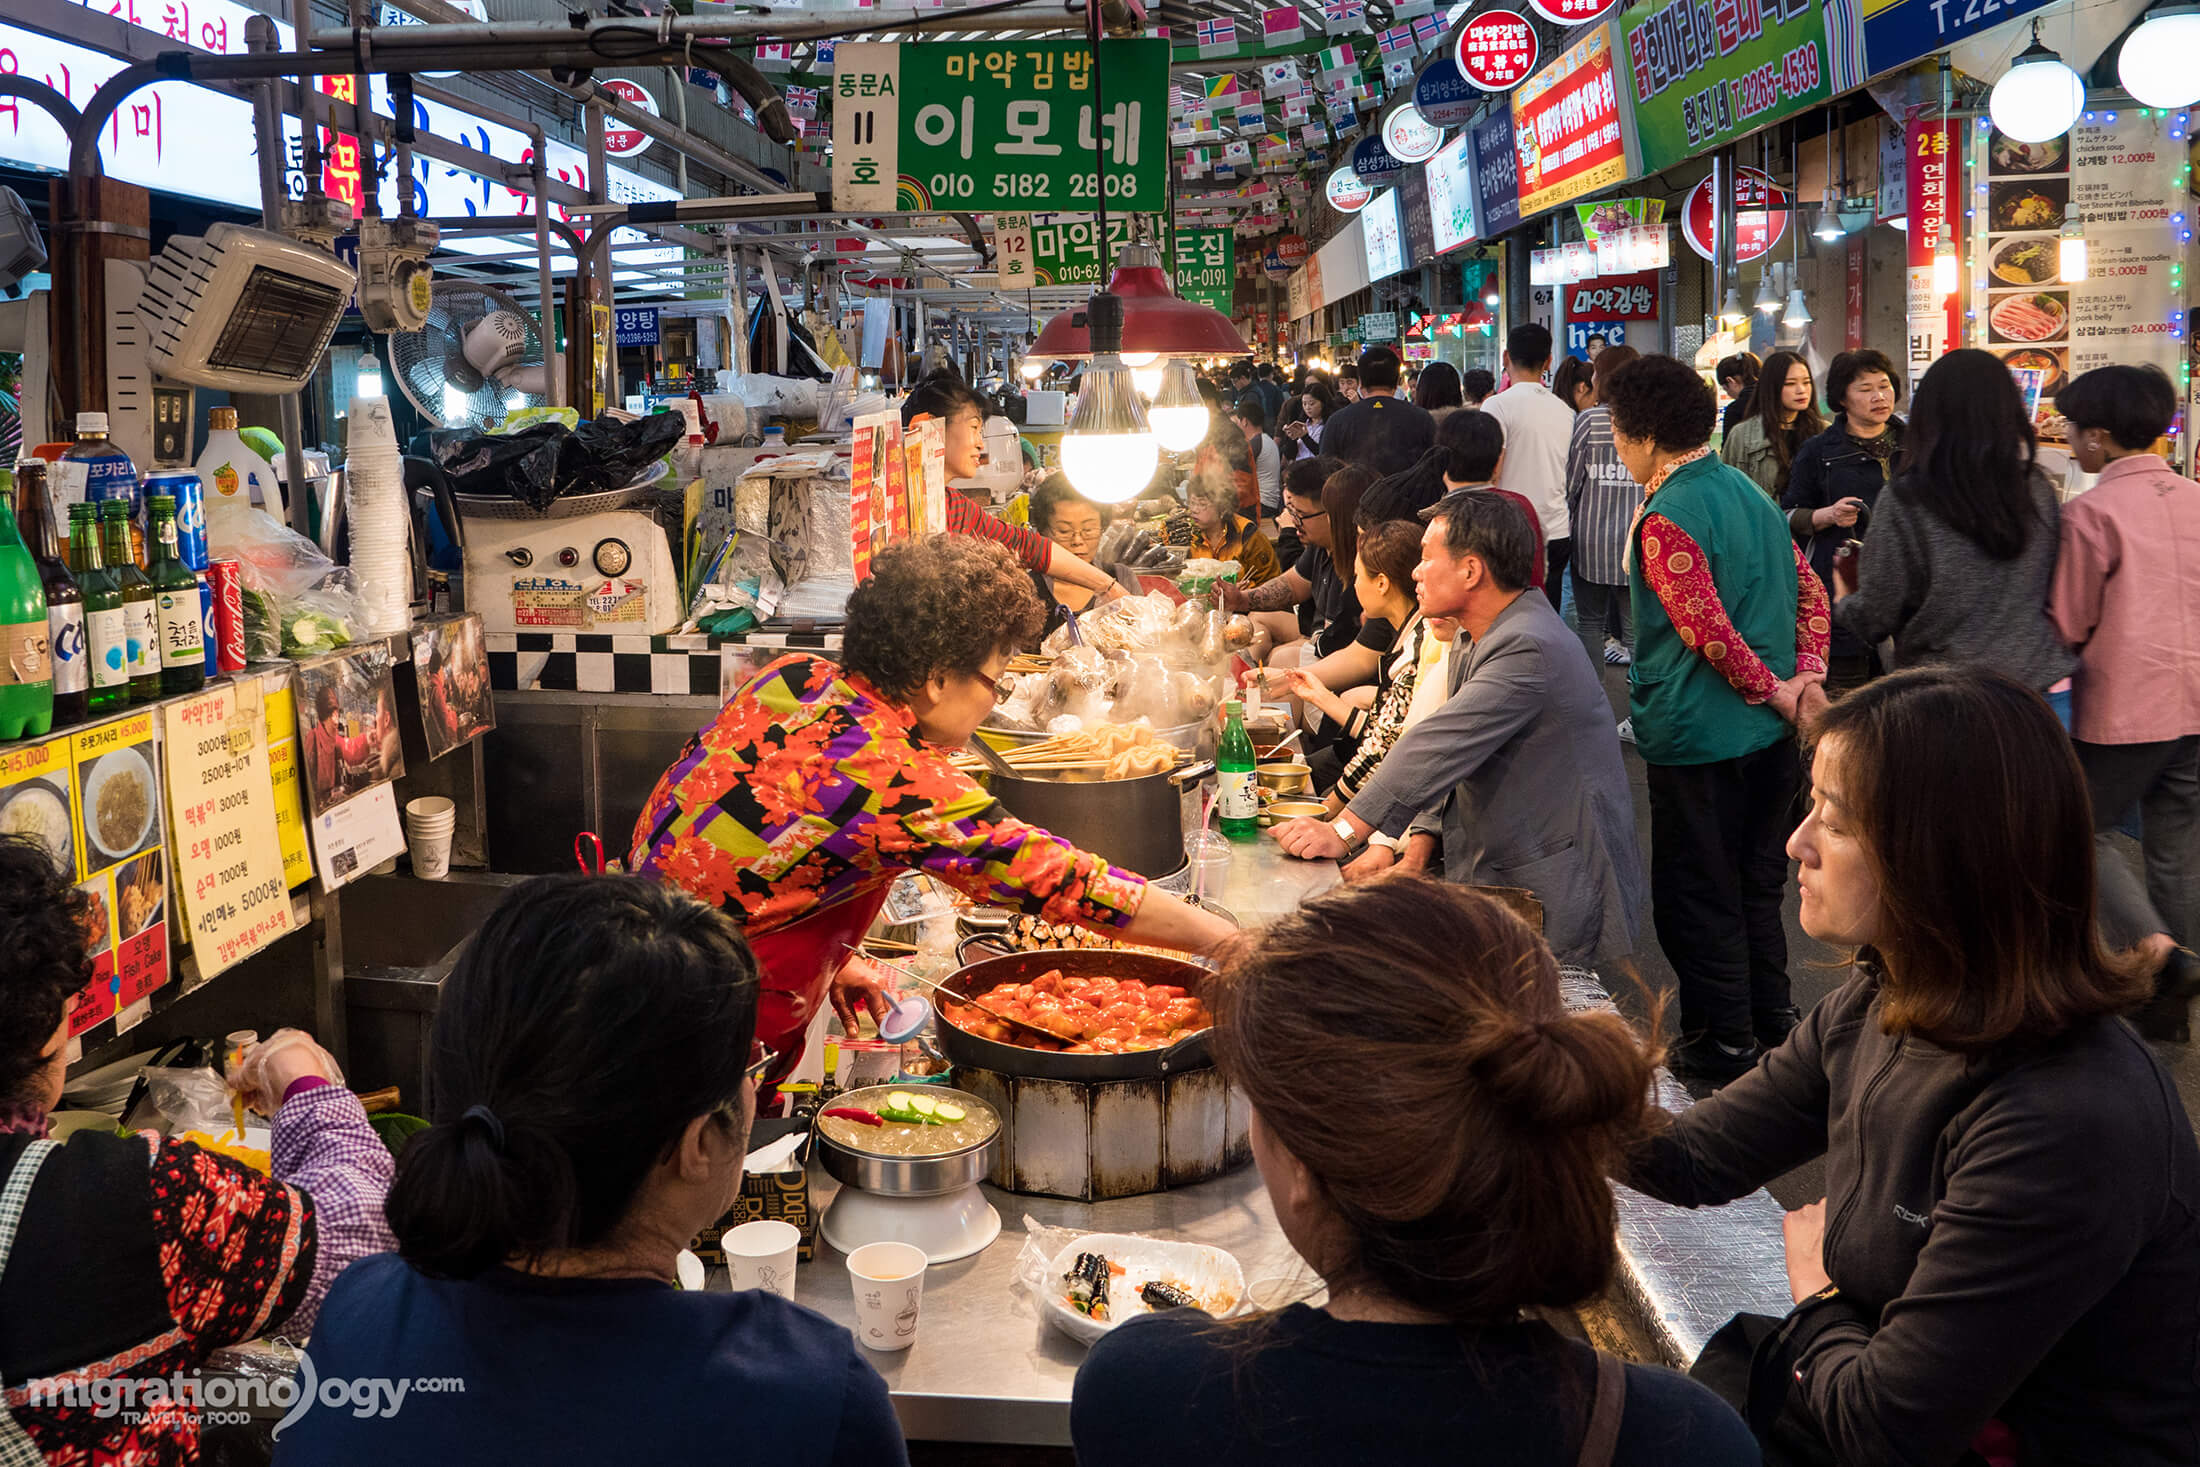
x=940 y=604
x=42 y=933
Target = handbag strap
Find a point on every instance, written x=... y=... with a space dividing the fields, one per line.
x=1601 y=1438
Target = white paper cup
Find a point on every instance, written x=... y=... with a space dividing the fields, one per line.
x=430 y=822
x=761 y=1255
x=888 y=1279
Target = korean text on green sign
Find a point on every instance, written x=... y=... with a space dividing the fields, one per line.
x=941 y=125
x=1065 y=249
x=1705 y=71
x=1206 y=267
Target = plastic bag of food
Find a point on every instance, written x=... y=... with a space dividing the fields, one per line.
x=287 y=583
x=320 y=620
x=1146 y=693
x=740 y=582
x=196 y=1105
x=521 y=465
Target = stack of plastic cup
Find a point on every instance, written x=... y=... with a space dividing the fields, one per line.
x=381 y=526
x=429 y=824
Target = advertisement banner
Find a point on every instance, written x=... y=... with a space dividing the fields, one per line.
x=1065 y=248
x=2122 y=179
x=1703 y=73
x=1760 y=215
x=1898 y=32
x=1614 y=298
x=1449 y=180
x=1413 y=213
x=1496 y=175
x=1206 y=267
x=1445 y=97
x=1566 y=126
x=1928 y=153
x=929 y=125
x=1383 y=235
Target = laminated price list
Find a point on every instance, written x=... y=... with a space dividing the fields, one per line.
x=229 y=855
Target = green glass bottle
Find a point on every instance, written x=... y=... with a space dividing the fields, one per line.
x=176 y=601
x=140 y=618
x=26 y=664
x=1237 y=806
x=106 y=638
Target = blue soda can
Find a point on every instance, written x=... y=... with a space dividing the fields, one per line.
x=206 y=624
x=184 y=487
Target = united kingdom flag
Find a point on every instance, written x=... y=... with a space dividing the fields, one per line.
x=1343 y=15
x=802 y=101
x=1217 y=38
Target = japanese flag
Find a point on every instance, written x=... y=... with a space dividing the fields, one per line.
x=1281 y=24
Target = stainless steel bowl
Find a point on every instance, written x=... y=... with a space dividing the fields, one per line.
x=910 y=1176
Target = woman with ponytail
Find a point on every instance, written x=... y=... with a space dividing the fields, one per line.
x=592 y=1070
x=1458 y=1190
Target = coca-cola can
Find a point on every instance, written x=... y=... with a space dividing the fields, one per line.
x=226 y=578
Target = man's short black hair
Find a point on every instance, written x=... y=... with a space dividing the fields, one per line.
x=1488 y=526
x=1378 y=367
x=1477 y=383
x=2133 y=405
x=1529 y=345
x=1662 y=400
x=1473 y=441
x=1241 y=369
x=1598 y=338
x=1306 y=476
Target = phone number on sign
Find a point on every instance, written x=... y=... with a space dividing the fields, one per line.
x=1794 y=75
x=1025 y=185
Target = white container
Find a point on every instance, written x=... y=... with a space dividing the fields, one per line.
x=381 y=526
x=888 y=1280
x=230 y=471
x=430 y=822
x=1209 y=1273
x=761 y=1255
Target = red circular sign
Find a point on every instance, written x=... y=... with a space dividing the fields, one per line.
x=1497 y=50
x=1760 y=216
x=1292 y=247
x=1571 y=12
x=619 y=140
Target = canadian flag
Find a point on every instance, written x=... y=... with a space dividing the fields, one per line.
x=774 y=56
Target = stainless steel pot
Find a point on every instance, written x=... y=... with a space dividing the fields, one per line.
x=1136 y=823
x=910 y=1176
x=966 y=1048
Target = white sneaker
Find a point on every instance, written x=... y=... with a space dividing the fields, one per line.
x=1615 y=654
x=1627 y=730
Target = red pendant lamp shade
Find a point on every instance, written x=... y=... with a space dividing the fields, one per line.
x=1155 y=318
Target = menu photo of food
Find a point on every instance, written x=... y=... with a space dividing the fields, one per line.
x=39 y=808
x=347 y=724
x=2051 y=362
x=2032 y=203
x=2023 y=317
x=2026 y=260
x=121 y=804
x=123 y=857
x=2006 y=156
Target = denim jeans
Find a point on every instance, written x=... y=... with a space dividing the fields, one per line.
x=1596 y=607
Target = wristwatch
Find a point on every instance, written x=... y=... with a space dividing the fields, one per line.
x=1345 y=833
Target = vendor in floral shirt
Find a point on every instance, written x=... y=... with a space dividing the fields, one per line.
x=819 y=783
x=1731 y=630
x=132 y=1258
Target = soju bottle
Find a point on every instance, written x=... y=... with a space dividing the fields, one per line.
x=176 y=600
x=1237 y=809
x=64 y=603
x=26 y=669
x=106 y=638
x=140 y=619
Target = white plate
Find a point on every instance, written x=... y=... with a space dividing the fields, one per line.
x=123 y=763
x=1210 y=1273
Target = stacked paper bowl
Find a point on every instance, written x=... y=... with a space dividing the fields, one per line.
x=381 y=527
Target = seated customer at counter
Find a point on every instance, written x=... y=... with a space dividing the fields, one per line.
x=946 y=397
x=1439 y=1207
x=818 y=784
x=134 y=1258
x=2007 y=1259
x=591 y=1069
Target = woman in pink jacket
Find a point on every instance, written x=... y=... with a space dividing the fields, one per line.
x=2126 y=594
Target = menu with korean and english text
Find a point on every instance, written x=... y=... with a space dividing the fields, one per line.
x=221 y=797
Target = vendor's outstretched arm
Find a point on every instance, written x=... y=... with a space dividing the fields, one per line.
x=1164 y=921
x=1063 y=566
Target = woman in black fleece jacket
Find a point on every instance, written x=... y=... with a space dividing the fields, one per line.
x=2009 y=1248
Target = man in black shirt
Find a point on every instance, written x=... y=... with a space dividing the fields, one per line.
x=1382 y=431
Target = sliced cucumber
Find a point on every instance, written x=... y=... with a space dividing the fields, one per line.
x=900 y=1100
x=924 y=1106
x=949 y=1112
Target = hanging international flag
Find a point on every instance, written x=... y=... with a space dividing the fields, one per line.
x=822 y=61
x=702 y=76
x=1397 y=38
x=1336 y=59
x=1428 y=31
x=1281 y=24
x=1411 y=9
x=1237 y=150
x=1314 y=135
x=1295 y=108
x=1195 y=163
x=1183 y=135
x=1250 y=114
x=802 y=101
x=774 y=56
x=1220 y=91
x=1397 y=70
x=1339 y=16
x=1224 y=173
x=1277 y=78
x=1217 y=38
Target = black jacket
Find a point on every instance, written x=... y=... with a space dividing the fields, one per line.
x=1829 y=468
x=1385 y=434
x=2013 y=1238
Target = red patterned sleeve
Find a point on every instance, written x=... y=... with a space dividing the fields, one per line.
x=1813 y=617
x=236 y=1248
x=1680 y=576
x=1033 y=550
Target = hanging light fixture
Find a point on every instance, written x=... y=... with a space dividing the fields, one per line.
x=1798 y=313
x=1947 y=269
x=1109 y=452
x=1178 y=413
x=2038 y=98
x=1731 y=313
x=1768 y=294
x=2071 y=255
x=2160 y=64
x=1157 y=322
x=1829 y=216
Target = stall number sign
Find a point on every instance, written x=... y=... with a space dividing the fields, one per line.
x=221 y=800
x=1014 y=267
x=1705 y=71
x=636 y=325
x=1206 y=267
x=933 y=125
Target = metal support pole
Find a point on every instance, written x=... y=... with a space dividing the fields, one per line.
x=599 y=241
x=267 y=130
x=546 y=309
x=1726 y=270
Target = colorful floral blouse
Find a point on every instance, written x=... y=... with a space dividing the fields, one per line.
x=812 y=786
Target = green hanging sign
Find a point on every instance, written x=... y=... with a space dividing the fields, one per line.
x=1206 y=267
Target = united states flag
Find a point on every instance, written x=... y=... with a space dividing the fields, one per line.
x=1217 y=38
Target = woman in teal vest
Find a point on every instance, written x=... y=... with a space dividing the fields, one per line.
x=1730 y=649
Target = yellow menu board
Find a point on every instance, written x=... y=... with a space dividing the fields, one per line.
x=229 y=859
x=38 y=800
x=282 y=763
x=122 y=860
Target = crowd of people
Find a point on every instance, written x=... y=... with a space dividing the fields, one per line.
x=1939 y=740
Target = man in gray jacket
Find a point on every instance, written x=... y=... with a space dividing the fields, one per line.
x=1522 y=762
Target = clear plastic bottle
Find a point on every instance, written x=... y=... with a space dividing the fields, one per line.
x=97 y=470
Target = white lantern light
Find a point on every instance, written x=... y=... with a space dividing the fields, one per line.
x=1731 y=313
x=1109 y=452
x=1798 y=314
x=1768 y=294
x=2160 y=64
x=2071 y=255
x=2038 y=98
x=1947 y=269
x=1146 y=379
x=1178 y=413
x=1829 y=216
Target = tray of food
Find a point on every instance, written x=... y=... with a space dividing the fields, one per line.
x=1102 y=1279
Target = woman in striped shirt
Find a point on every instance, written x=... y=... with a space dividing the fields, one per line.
x=1600 y=503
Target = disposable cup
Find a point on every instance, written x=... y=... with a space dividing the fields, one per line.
x=761 y=1255
x=1209 y=853
x=430 y=823
x=888 y=1280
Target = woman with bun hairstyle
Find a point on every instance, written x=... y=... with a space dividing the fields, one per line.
x=1440 y=1208
x=593 y=1066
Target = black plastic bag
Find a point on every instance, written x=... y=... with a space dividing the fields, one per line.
x=608 y=454
x=522 y=465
